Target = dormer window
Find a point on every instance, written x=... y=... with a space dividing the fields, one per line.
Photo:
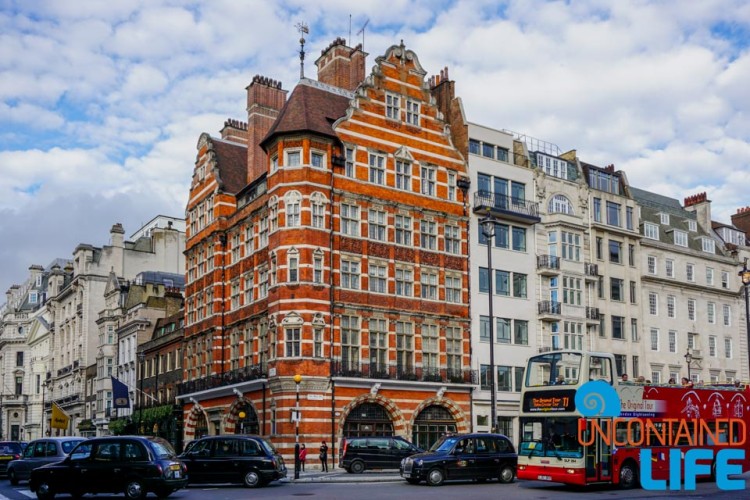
x=709 y=245
x=664 y=219
x=680 y=238
x=692 y=226
x=33 y=298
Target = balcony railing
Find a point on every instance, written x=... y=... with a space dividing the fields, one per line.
x=548 y=263
x=506 y=207
x=590 y=269
x=395 y=371
x=245 y=374
x=549 y=307
x=592 y=313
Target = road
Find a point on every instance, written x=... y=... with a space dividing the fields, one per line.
x=399 y=490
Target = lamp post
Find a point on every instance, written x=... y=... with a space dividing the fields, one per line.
x=488 y=229
x=297 y=380
x=745 y=276
x=688 y=361
x=141 y=358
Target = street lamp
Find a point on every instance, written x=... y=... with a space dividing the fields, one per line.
x=745 y=276
x=688 y=361
x=488 y=229
x=141 y=359
x=297 y=380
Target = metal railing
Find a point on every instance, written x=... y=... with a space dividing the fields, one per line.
x=549 y=307
x=245 y=374
x=547 y=262
x=487 y=200
x=396 y=371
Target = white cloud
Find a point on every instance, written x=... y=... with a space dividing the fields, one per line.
x=103 y=103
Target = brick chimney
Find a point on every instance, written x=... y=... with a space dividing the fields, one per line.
x=741 y=220
x=701 y=205
x=235 y=131
x=443 y=90
x=341 y=66
x=265 y=98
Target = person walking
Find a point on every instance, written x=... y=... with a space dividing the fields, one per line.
x=324 y=457
x=302 y=456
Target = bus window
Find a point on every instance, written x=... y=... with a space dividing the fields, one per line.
x=532 y=431
x=600 y=369
x=546 y=368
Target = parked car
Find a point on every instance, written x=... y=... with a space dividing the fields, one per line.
x=9 y=450
x=468 y=456
x=374 y=452
x=250 y=460
x=134 y=465
x=40 y=452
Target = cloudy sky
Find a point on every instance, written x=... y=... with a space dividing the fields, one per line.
x=102 y=103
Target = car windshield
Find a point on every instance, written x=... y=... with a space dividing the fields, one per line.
x=269 y=447
x=444 y=444
x=162 y=449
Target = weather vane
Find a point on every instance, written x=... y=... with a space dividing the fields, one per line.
x=303 y=30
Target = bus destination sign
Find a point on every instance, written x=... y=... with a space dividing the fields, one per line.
x=549 y=401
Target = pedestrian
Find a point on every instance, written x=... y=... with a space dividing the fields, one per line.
x=624 y=377
x=324 y=457
x=302 y=456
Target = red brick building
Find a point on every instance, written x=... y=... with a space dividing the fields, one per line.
x=327 y=237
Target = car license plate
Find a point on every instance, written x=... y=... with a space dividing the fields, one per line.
x=545 y=478
x=174 y=467
x=177 y=474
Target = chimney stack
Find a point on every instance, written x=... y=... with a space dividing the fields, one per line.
x=235 y=131
x=701 y=206
x=265 y=98
x=341 y=66
x=741 y=220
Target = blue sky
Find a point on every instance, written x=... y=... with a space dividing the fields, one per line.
x=102 y=103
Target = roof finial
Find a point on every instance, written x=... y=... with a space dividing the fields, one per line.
x=303 y=30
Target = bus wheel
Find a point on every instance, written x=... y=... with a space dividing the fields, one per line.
x=628 y=476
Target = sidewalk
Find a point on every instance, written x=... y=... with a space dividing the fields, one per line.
x=339 y=475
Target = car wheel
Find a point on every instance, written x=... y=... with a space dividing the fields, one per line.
x=412 y=480
x=435 y=477
x=251 y=479
x=44 y=491
x=628 y=476
x=348 y=469
x=12 y=477
x=357 y=467
x=507 y=474
x=134 y=490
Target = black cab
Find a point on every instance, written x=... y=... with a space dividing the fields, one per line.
x=467 y=456
x=374 y=452
x=41 y=452
x=134 y=465
x=250 y=460
x=9 y=450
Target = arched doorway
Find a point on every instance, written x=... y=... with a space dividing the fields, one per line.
x=201 y=425
x=432 y=423
x=247 y=420
x=368 y=419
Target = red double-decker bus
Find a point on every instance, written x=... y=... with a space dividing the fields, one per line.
x=560 y=444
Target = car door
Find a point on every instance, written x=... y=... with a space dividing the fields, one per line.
x=103 y=472
x=377 y=451
x=462 y=460
x=223 y=466
x=197 y=460
x=400 y=450
x=486 y=460
x=74 y=471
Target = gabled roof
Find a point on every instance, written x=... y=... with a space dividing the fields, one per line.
x=312 y=107
x=231 y=161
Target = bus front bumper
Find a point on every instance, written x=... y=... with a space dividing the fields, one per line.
x=557 y=474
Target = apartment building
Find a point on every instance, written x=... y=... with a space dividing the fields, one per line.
x=327 y=238
x=76 y=299
x=503 y=282
x=689 y=293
